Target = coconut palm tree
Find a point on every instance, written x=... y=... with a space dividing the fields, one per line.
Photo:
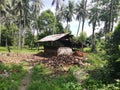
x=66 y=13
x=58 y=4
x=21 y=10
x=109 y=14
x=8 y=20
x=37 y=5
x=81 y=13
x=114 y=7
x=84 y=2
x=94 y=20
x=2 y=13
x=69 y=12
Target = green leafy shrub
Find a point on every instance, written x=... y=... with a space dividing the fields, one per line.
x=95 y=60
x=114 y=86
x=73 y=86
x=91 y=84
x=113 y=53
x=87 y=49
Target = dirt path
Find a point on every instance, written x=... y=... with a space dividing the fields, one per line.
x=26 y=80
x=80 y=75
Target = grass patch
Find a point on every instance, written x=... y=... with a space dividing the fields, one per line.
x=14 y=75
x=43 y=79
x=87 y=49
x=96 y=61
x=3 y=50
x=24 y=50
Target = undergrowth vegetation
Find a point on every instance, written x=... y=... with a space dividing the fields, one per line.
x=92 y=77
x=95 y=76
x=45 y=79
x=99 y=74
x=11 y=76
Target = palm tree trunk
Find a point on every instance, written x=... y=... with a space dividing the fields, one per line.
x=54 y=23
x=33 y=34
x=37 y=34
x=110 y=18
x=0 y=27
x=20 y=31
x=23 y=39
x=112 y=25
x=78 y=27
x=67 y=26
x=37 y=30
x=93 y=38
x=85 y=4
x=19 y=45
x=7 y=46
x=83 y=23
x=2 y=2
x=106 y=28
x=20 y=38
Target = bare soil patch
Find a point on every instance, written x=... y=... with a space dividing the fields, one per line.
x=14 y=58
x=26 y=80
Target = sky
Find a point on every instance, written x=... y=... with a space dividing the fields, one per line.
x=74 y=23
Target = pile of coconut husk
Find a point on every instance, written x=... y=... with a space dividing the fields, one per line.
x=64 y=60
x=77 y=58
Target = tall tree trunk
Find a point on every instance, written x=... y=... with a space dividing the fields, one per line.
x=24 y=29
x=54 y=23
x=20 y=31
x=37 y=37
x=2 y=3
x=83 y=23
x=112 y=25
x=7 y=46
x=110 y=16
x=106 y=30
x=20 y=38
x=110 y=21
x=0 y=27
x=85 y=4
x=23 y=40
x=78 y=27
x=93 y=49
x=67 y=27
x=37 y=30
x=36 y=23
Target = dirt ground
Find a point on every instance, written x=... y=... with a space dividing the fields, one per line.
x=14 y=58
x=26 y=80
x=54 y=61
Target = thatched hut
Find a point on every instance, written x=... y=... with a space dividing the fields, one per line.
x=52 y=42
